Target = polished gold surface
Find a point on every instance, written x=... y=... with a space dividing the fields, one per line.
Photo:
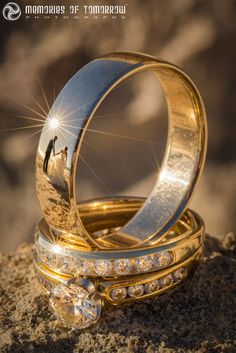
x=180 y=171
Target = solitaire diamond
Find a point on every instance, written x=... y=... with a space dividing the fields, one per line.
x=76 y=304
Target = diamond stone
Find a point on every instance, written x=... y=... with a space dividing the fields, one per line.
x=76 y=303
x=136 y=291
x=167 y=281
x=87 y=267
x=67 y=263
x=118 y=293
x=152 y=286
x=103 y=267
x=180 y=273
x=163 y=259
x=171 y=234
x=39 y=250
x=79 y=267
x=122 y=266
x=49 y=258
x=144 y=263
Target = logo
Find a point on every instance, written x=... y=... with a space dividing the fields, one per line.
x=11 y=11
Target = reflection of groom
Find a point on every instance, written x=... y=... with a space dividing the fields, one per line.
x=51 y=146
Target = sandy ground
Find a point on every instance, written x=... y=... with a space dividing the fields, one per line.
x=197 y=317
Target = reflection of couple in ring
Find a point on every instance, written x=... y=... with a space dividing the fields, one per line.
x=57 y=165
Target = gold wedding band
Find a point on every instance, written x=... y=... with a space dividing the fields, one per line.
x=181 y=167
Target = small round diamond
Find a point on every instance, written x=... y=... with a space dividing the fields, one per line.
x=171 y=234
x=66 y=263
x=152 y=286
x=103 y=267
x=122 y=266
x=49 y=258
x=74 y=304
x=167 y=281
x=87 y=267
x=118 y=293
x=180 y=273
x=144 y=263
x=136 y=291
x=79 y=267
x=163 y=259
x=39 y=250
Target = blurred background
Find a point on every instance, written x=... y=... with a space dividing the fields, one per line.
x=128 y=135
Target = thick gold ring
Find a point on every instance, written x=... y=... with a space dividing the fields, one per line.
x=181 y=167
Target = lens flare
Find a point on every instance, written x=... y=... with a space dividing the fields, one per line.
x=53 y=122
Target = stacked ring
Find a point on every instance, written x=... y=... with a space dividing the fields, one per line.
x=123 y=249
x=115 y=276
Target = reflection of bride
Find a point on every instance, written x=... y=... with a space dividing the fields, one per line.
x=58 y=168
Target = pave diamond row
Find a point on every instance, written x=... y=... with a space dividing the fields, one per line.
x=104 y=267
x=152 y=287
